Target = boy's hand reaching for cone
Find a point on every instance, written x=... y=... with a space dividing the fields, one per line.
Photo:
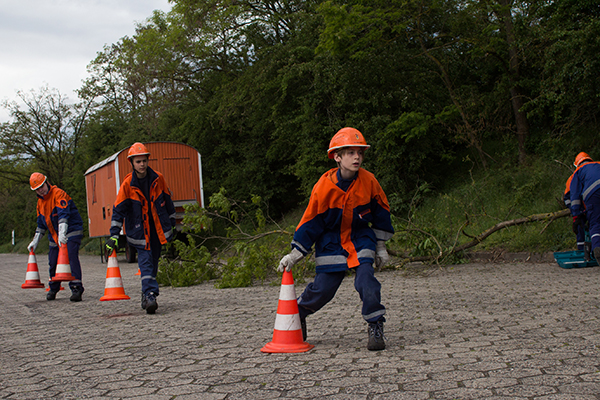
x=289 y=260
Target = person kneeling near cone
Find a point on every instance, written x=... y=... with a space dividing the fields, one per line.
x=144 y=203
x=348 y=220
x=57 y=214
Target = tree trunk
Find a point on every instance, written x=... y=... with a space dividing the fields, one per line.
x=516 y=93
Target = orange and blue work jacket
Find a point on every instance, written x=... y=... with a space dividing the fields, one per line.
x=343 y=225
x=133 y=207
x=567 y=195
x=584 y=182
x=55 y=208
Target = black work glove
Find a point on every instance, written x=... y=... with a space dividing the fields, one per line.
x=577 y=222
x=112 y=244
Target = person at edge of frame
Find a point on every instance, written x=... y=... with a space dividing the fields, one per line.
x=57 y=214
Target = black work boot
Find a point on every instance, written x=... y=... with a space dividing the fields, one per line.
x=303 y=326
x=376 y=338
x=50 y=295
x=76 y=292
x=149 y=303
x=597 y=254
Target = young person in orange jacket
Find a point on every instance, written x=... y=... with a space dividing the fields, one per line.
x=585 y=198
x=57 y=214
x=578 y=229
x=348 y=221
x=144 y=203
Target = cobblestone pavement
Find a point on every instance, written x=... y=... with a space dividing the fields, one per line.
x=517 y=330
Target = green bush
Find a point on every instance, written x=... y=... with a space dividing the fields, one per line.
x=454 y=215
x=246 y=245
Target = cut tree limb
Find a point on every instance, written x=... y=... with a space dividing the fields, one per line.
x=549 y=217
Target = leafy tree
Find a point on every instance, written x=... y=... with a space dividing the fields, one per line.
x=44 y=134
x=569 y=58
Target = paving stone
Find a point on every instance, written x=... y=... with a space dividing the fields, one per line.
x=517 y=330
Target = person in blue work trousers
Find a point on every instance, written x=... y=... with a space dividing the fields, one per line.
x=348 y=220
x=585 y=198
x=57 y=214
x=144 y=203
x=580 y=228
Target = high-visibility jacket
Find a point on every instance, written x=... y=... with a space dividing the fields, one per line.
x=585 y=182
x=567 y=194
x=344 y=226
x=132 y=207
x=55 y=208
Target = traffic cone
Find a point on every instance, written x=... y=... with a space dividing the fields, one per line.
x=139 y=272
x=32 y=277
x=63 y=267
x=287 y=335
x=113 y=290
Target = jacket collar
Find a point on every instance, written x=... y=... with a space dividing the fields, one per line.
x=50 y=189
x=150 y=174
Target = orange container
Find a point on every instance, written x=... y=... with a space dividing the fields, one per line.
x=180 y=164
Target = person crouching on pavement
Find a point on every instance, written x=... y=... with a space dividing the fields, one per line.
x=579 y=229
x=57 y=214
x=144 y=202
x=348 y=220
x=585 y=198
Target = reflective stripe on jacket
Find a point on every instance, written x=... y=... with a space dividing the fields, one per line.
x=585 y=181
x=344 y=226
x=131 y=206
x=55 y=208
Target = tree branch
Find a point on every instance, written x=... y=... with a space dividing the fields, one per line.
x=550 y=217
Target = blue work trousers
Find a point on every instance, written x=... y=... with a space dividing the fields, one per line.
x=322 y=290
x=148 y=263
x=73 y=249
x=592 y=213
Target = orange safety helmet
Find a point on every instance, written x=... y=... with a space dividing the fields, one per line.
x=137 y=149
x=36 y=180
x=581 y=157
x=346 y=137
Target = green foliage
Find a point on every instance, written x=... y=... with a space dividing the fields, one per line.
x=247 y=245
x=259 y=88
x=469 y=207
x=191 y=267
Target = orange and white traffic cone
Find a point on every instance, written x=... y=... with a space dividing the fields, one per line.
x=32 y=277
x=113 y=290
x=139 y=272
x=63 y=267
x=287 y=335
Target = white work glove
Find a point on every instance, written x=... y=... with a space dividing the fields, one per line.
x=34 y=243
x=289 y=260
x=62 y=233
x=381 y=255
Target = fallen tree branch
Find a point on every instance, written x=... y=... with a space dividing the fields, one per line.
x=505 y=224
x=550 y=217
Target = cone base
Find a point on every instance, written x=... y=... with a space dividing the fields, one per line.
x=61 y=288
x=114 y=297
x=32 y=285
x=272 y=347
x=64 y=278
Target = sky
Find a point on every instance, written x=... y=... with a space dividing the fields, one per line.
x=51 y=42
